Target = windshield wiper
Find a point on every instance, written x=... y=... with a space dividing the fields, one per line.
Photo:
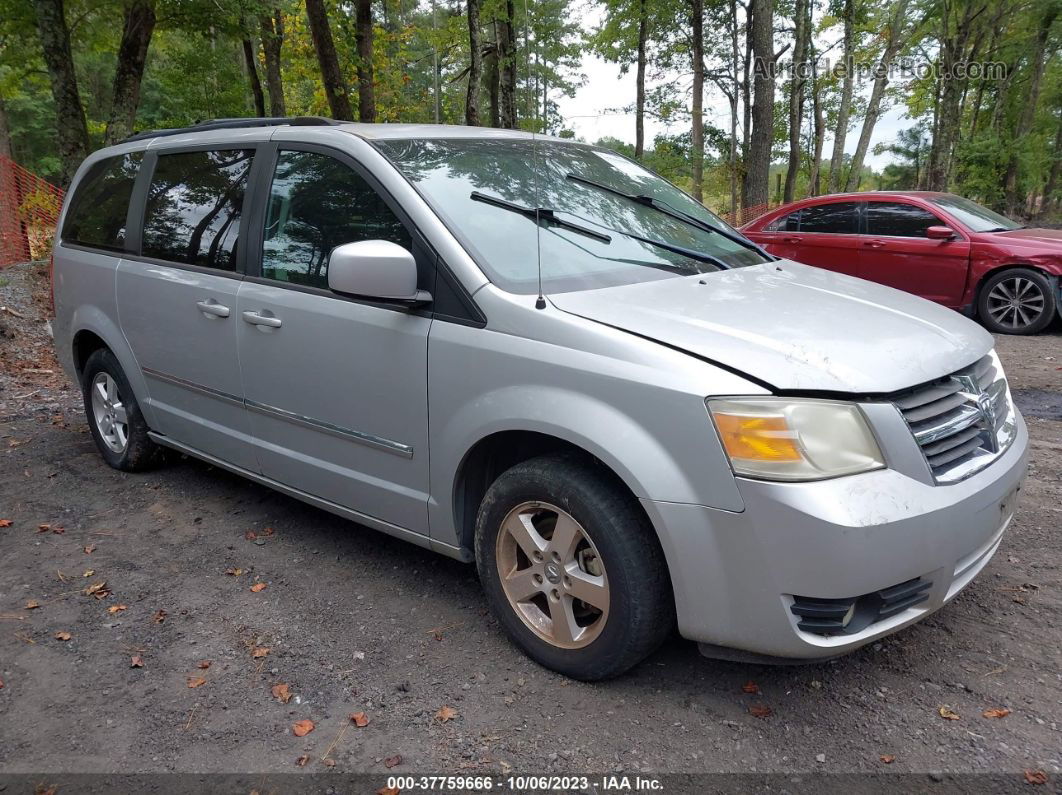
x=678 y=215
x=550 y=217
x=539 y=213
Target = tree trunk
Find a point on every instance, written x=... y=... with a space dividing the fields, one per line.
x=818 y=127
x=734 y=89
x=475 y=65
x=272 y=40
x=697 y=106
x=252 y=75
x=881 y=80
x=639 y=100
x=833 y=182
x=796 y=98
x=507 y=66
x=137 y=27
x=5 y=132
x=334 y=85
x=757 y=168
x=363 y=37
x=746 y=99
x=1037 y=62
x=71 y=128
x=1050 y=200
x=494 y=78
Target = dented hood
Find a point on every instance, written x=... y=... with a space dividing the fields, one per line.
x=793 y=326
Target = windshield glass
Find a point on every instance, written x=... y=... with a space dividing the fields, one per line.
x=503 y=242
x=974 y=216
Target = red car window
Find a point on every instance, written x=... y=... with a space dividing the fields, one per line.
x=896 y=219
x=838 y=218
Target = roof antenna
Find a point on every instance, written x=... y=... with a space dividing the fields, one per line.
x=540 y=302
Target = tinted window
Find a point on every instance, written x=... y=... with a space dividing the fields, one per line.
x=787 y=223
x=315 y=204
x=193 y=207
x=899 y=220
x=97 y=210
x=837 y=218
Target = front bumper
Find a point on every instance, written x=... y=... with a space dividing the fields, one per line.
x=735 y=574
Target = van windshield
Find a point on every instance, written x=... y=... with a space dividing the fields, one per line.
x=482 y=189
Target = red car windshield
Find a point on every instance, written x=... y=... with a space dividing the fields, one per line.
x=975 y=217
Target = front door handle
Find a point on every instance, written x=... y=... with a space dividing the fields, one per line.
x=256 y=319
x=874 y=243
x=791 y=239
x=212 y=308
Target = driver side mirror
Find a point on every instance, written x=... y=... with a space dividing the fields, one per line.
x=375 y=269
x=940 y=233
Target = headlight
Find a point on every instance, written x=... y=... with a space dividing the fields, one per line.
x=795 y=439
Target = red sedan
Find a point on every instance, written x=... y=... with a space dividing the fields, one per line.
x=936 y=245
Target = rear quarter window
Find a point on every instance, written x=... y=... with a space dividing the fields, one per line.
x=97 y=212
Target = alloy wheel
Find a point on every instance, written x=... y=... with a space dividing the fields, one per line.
x=1016 y=303
x=553 y=575
x=109 y=412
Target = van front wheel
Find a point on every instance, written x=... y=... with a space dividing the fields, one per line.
x=571 y=568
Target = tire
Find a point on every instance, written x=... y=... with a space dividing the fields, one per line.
x=124 y=446
x=608 y=553
x=1016 y=301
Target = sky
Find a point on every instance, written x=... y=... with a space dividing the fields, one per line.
x=594 y=111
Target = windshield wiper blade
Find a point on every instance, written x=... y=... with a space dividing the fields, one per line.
x=539 y=213
x=678 y=215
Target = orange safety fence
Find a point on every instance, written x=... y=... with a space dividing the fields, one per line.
x=29 y=211
x=743 y=215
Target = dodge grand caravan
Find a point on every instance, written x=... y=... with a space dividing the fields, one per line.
x=538 y=356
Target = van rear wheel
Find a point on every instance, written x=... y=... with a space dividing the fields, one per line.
x=114 y=416
x=571 y=568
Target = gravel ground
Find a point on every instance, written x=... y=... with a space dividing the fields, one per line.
x=352 y=621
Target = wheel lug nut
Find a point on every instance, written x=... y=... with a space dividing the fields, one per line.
x=555 y=594
x=537 y=579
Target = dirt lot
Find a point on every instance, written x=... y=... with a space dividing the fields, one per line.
x=353 y=621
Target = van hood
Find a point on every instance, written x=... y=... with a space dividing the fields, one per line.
x=793 y=327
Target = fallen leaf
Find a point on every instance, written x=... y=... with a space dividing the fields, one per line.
x=260 y=652
x=997 y=712
x=234 y=572
x=136 y=662
x=445 y=714
x=302 y=727
x=159 y=617
x=359 y=719
x=268 y=531
x=328 y=762
x=88 y=572
x=948 y=713
x=89 y=549
x=759 y=711
x=388 y=791
x=116 y=609
x=887 y=758
x=258 y=586
x=1 y=684
x=203 y=664
x=1036 y=777
x=196 y=681
x=62 y=636
x=437 y=634
x=43 y=528
x=750 y=687
x=98 y=589
x=32 y=604
x=302 y=760
x=5 y=523
x=393 y=761
x=58 y=529
x=250 y=535
x=281 y=693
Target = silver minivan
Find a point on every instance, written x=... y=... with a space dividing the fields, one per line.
x=536 y=355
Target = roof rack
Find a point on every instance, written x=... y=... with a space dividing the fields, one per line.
x=237 y=123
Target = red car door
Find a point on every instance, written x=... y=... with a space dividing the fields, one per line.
x=895 y=251
x=827 y=237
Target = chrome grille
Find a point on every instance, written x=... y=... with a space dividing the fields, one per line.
x=963 y=421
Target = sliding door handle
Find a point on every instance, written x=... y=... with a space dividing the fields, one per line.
x=212 y=308
x=256 y=319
